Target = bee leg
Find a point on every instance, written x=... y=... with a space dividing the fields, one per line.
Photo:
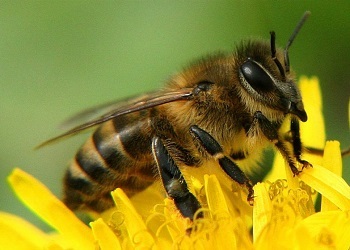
x=296 y=142
x=230 y=168
x=271 y=133
x=174 y=182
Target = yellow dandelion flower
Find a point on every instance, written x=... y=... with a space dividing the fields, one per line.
x=71 y=232
x=283 y=215
x=287 y=215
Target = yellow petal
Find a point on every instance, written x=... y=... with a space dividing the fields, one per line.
x=278 y=170
x=226 y=229
x=281 y=170
x=14 y=231
x=178 y=224
x=332 y=161
x=54 y=246
x=330 y=185
x=105 y=237
x=42 y=202
x=325 y=230
x=137 y=230
x=196 y=185
x=154 y=193
x=313 y=131
x=332 y=157
x=261 y=210
x=216 y=200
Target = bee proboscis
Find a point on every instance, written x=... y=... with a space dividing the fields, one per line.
x=226 y=106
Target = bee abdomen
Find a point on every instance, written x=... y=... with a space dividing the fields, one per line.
x=117 y=155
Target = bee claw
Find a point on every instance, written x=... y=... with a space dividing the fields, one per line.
x=251 y=196
x=251 y=200
x=296 y=171
x=306 y=164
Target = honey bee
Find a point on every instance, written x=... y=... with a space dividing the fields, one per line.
x=227 y=107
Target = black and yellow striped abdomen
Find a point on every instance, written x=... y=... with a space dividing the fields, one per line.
x=118 y=154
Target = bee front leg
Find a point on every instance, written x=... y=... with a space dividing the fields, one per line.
x=174 y=183
x=271 y=133
x=230 y=168
x=296 y=142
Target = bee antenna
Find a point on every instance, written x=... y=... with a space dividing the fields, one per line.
x=292 y=37
x=273 y=54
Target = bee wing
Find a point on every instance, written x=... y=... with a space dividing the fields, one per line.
x=122 y=108
x=93 y=113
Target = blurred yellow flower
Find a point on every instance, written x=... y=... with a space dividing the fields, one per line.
x=283 y=215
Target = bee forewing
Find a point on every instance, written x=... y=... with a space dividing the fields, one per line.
x=96 y=112
x=120 y=108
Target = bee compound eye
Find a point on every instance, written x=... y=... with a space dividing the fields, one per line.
x=256 y=76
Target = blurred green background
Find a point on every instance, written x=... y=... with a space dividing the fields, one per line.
x=59 y=57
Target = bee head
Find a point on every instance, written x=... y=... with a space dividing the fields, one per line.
x=276 y=91
x=265 y=79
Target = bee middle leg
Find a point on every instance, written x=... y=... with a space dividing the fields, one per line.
x=174 y=183
x=230 y=168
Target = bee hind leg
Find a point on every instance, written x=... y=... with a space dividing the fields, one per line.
x=174 y=183
x=230 y=168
